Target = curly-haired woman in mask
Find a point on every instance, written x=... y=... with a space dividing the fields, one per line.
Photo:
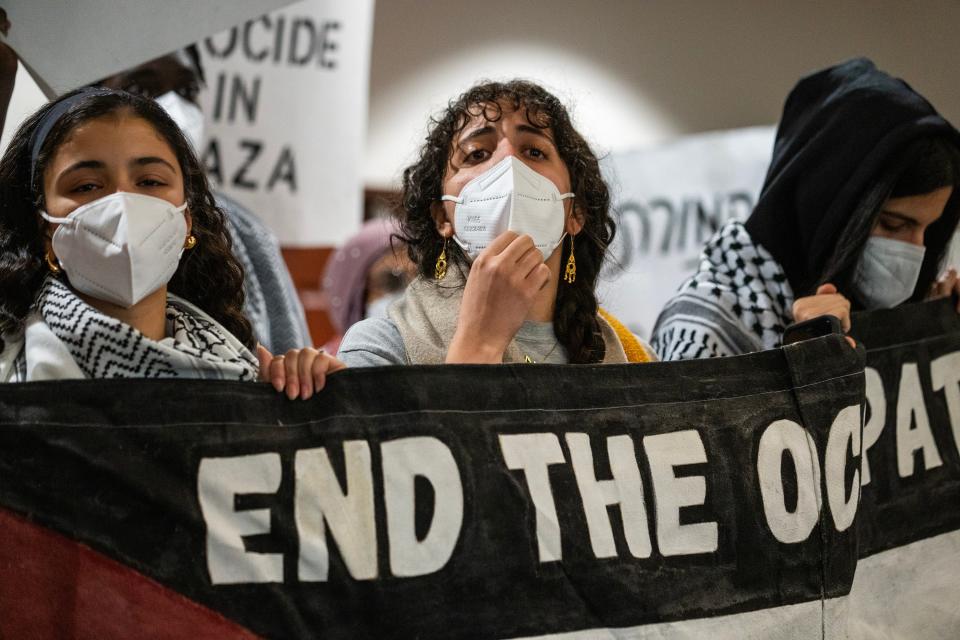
x=507 y=218
x=114 y=259
x=857 y=211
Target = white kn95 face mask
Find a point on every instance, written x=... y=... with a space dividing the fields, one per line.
x=121 y=247
x=887 y=272
x=508 y=196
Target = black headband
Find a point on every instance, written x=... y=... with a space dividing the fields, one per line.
x=52 y=117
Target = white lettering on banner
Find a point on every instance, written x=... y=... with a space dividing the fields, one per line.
x=945 y=376
x=327 y=509
x=665 y=452
x=349 y=513
x=786 y=436
x=403 y=461
x=219 y=481
x=624 y=490
x=877 y=401
x=320 y=503
x=911 y=410
x=845 y=429
x=532 y=453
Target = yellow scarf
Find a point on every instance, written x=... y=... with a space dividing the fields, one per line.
x=631 y=346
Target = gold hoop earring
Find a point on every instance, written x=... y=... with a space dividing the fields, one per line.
x=570 y=273
x=191 y=242
x=53 y=264
x=440 y=270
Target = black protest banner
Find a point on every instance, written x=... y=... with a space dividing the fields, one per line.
x=441 y=501
x=909 y=519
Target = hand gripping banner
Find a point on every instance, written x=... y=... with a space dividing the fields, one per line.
x=714 y=498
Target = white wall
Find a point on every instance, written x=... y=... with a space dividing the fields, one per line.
x=638 y=72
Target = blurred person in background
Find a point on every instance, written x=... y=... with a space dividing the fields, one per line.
x=365 y=276
x=857 y=211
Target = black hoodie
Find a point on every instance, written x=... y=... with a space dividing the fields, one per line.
x=840 y=145
x=841 y=129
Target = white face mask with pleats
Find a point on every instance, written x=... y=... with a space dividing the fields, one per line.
x=122 y=247
x=887 y=272
x=508 y=196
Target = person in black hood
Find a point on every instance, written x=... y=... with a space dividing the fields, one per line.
x=857 y=210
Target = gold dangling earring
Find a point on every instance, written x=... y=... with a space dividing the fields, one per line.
x=191 y=242
x=53 y=264
x=440 y=270
x=570 y=274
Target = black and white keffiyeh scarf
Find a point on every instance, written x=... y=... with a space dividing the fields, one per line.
x=739 y=301
x=103 y=347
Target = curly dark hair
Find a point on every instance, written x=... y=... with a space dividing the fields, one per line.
x=575 y=315
x=209 y=275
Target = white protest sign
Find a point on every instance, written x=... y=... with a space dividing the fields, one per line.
x=286 y=111
x=668 y=202
x=66 y=44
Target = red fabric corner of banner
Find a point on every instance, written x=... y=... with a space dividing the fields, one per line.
x=54 y=587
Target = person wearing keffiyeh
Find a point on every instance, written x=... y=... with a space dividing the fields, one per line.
x=270 y=298
x=856 y=212
x=115 y=260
